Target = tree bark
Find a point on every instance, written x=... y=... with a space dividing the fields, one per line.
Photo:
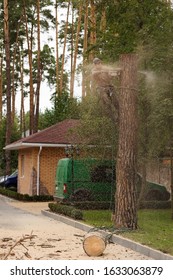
x=76 y=51
x=103 y=21
x=171 y=158
x=31 y=101
x=57 y=48
x=85 y=45
x=125 y=200
x=14 y=63
x=93 y=29
x=73 y=31
x=8 y=83
x=64 y=48
x=39 y=72
x=22 y=109
x=1 y=86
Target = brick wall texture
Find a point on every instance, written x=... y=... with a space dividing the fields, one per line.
x=28 y=160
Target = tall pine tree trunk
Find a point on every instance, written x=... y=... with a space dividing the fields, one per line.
x=103 y=21
x=57 y=48
x=72 y=44
x=93 y=29
x=8 y=85
x=64 y=48
x=76 y=51
x=171 y=157
x=125 y=202
x=31 y=100
x=39 y=72
x=14 y=63
x=22 y=109
x=85 y=45
x=1 y=84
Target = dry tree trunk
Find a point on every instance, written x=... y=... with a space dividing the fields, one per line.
x=125 y=203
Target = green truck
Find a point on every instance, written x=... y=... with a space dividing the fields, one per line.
x=92 y=179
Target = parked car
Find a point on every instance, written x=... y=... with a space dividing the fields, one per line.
x=10 y=182
x=2 y=180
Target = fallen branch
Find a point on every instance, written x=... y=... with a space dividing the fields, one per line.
x=19 y=242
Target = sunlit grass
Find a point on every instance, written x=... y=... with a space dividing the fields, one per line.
x=155 y=227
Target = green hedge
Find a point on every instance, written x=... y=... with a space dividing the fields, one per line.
x=25 y=197
x=155 y=204
x=66 y=210
x=105 y=205
x=91 y=205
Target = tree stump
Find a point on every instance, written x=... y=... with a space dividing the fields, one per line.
x=94 y=244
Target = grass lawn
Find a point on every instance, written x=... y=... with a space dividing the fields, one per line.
x=155 y=227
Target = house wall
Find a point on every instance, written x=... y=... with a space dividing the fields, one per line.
x=28 y=165
x=25 y=164
x=48 y=163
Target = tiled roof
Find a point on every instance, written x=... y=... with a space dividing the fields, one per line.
x=60 y=133
x=55 y=134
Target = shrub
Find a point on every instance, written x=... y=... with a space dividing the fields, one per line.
x=25 y=197
x=66 y=210
x=155 y=204
x=42 y=198
x=93 y=205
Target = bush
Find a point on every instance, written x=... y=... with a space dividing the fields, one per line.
x=25 y=197
x=158 y=195
x=155 y=204
x=93 y=205
x=42 y=198
x=66 y=210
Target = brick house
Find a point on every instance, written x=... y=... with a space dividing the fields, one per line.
x=38 y=155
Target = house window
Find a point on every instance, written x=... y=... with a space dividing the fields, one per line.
x=22 y=166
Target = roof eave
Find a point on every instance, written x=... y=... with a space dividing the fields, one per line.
x=25 y=145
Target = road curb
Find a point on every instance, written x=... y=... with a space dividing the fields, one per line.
x=137 y=247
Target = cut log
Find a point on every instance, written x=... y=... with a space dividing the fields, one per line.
x=94 y=244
